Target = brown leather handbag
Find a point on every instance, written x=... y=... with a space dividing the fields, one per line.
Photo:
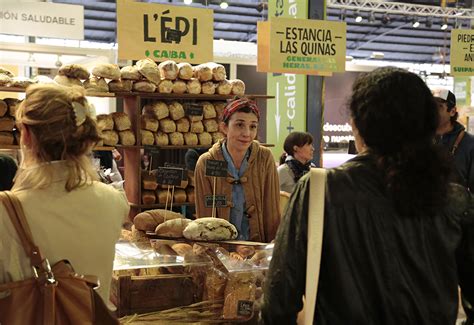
x=55 y=295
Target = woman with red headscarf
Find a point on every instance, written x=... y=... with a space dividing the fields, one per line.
x=251 y=187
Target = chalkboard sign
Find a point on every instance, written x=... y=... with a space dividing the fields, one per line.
x=220 y=202
x=179 y=166
x=244 y=308
x=217 y=168
x=152 y=150
x=173 y=35
x=191 y=109
x=169 y=176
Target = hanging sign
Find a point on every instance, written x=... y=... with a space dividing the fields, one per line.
x=462 y=52
x=163 y=32
x=43 y=19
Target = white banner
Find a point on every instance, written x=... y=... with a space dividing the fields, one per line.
x=42 y=19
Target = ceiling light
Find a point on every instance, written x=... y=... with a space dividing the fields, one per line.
x=416 y=23
x=385 y=19
x=377 y=55
x=224 y=5
x=371 y=17
x=188 y=2
x=444 y=25
x=358 y=17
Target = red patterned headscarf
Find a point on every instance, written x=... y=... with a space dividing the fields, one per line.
x=237 y=104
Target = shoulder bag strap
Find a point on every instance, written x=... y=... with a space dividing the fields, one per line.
x=457 y=142
x=315 y=240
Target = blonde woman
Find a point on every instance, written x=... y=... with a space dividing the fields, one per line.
x=71 y=215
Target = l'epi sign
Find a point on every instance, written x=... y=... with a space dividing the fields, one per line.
x=164 y=32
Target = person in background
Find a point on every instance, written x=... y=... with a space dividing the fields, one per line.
x=453 y=136
x=251 y=187
x=398 y=237
x=296 y=161
x=71 y=215
x=8 y=170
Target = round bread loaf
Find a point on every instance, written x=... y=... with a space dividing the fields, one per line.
x=5 y=80
x=191 y=139
x=110 y=137
x=130 y=73
x=167 y=125
x=96 y=84
x=182 y=125
x=165 y=86
x=193 y=86
x=105 y=122
x=148 y=139
x=21 y=82
x=150 y=219
x=67 y=81
x=176 y=110
x=6 y=72
x=149 y=123
x=121 y=121
x=208 y=88
x=205 y=139
x=168 y=69
x=176 y=139
x=216 y=136
x=208 y=110
x=218 y=71
x=197 y=127
x=172 y=228
x=238 y=87
x=203 y=72
x=185 y=71
x=182 y=248
x=210 y=229
x=144 y=86
x=179 y=87
x=224 y=87
x=211 y=125
x=107 y=70
x=161 y=139
x=149 y=69
x=120 y=85
x=74 y=71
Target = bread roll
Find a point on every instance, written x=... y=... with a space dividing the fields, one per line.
x=182 y=125
x=149 y=69
x=179 y=87
x=3 y=108
x=219 y=107
x=105 y=122
x=6 y=138
x=197 y=127
x=74 y=71
x=216 y=136
x=67 y=81
x=120 y=85
x=210 y=229
x=185 y=71
x=190 y=194
x=167 y=125
x=130 y=73
x=21 y=82
x=95 y=84
x=182 y=249
x=172 y=228
x=12 y=105
x=208 y=110
x=5 y=80
x=110 y=138
x=158 y=110
x=7 y=124
x=161 y=139
x=176 y=110
x=224 y=87
x=149 y=123
x=148 y=197
x=208 y=88
x=144 y=86
x=6 y=72
x=205 y=139
x=121 y=121
x=211 y=125
x=168 y=69
x=193 y=86
x=107 y=70
x=127 y=138
x=176 y=139
x=149 y=181
x=218 y=71
x=179 y=196
x=165 y=86
x=191 y=139
x=238 y=87
x=203 y=72
x=148 y=138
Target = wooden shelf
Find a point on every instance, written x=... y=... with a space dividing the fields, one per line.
x=159 y=205
x=88 y=94
x=186 y=96
x=17 y=147
x=162 y=147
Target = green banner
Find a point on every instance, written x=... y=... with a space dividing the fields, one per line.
x=287 y=112
x=462 y=91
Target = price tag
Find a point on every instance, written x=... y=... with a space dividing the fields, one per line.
x=169 y=176
x=193 y=109
x=217 y=168
x=244 y=307
x=220 y=202
x=180 y=166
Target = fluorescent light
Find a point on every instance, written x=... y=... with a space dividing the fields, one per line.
x=444 y=25
x=358 y=17
x=224 y=5
x=188 y=2
x=416 y=24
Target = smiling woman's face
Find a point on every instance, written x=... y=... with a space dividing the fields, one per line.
x=241 y=130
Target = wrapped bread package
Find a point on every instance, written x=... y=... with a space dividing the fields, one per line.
x=210 y=229
x=168 y=69
x=144 y=86
x=121 y=121
x=218 y=71
x=216 y=136
x=148 y=197
x=110 y=138
x=191 y=139
x=74 y=71
x=203 y=72
x=176 y=110
x=127 y=138
x=176 y=139
x=149 y=181
x=193 y=86
x=6 y=138
x=208 y=110
x=238 y=87
x=224 y=87
x=67 y=81
x=208 y=88
x=205 y=139
x=21 y=82
x=185 y=71
x=148 y=138
x=172 y=228
x=107 y=70
x=149 y=69
x=167 y=125
x=165 y=86
x=219 y=107
x=179 y=195
x=158 y=110
x=197 y=127
x=179 y=87
x=12 y=105
x=182 y=125
x=190 y=194
x=120 y=85
x=105 y=122
x=7 y=124
x=3 y=108
x=210 y=125
x=5 y=80
x=240 y=287
x=161 y=139
x=130 y=73
x=149 y=123
x=95 y=84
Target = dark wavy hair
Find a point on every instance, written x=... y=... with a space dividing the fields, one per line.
x=396 y=115
x=296 y=138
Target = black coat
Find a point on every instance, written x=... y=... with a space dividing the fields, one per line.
x=377 y=267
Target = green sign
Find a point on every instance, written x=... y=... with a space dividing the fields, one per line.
x=287 y=112
x=462 y=91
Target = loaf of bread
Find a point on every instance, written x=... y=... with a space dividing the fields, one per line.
x=148 y=138
x=165 y=86
x=190 y=139
x=147 y=221
x=167 y=125
x=5 y=80
x=211 y=125
x=127 y=138
x=6 y=138
x=238 y=87
x=197 y=127
x=144 y=86
x=67 y=81
x=219 y=107
x=218 y=71
x=172 y=228
x=240 y=287
x=149 y=69
x=205 y=139
x=195 y=118
x=110 y=138
x=179 y=196
x=12 y=105
x=182 y=125
x=120 y=85
x=140 y=239
x=224 y=87
x=105 y=122
x=130 y=73
x=149 y=181
x=158 y=110
x=95 y=84
x=210 y=229
x=149 y=123
x=193 y=86
x=168 y=69
x=182 y=248
x=208 y=88
x=7 y=124
x=163 y=196
x=245 y=251
x=6 y=72
x=216 y=136
x=176 y=139
x=148 y=197
x=190 y=194
x=121 y=121
x=163 y=248
x=185 y=71
x=203 y=72
x=3 y=108
x=215 y=285
x=21 y=82
x=179 y=87
x=176 y=110
x=208 y=110
x=161 y=139
x=74 y=71
x=107 y=70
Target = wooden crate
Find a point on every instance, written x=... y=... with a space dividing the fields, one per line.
x=142 y=294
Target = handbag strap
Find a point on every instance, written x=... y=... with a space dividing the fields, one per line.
x=315 y=240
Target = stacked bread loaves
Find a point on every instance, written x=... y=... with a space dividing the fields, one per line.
x=8 y=132
x=115 y=129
